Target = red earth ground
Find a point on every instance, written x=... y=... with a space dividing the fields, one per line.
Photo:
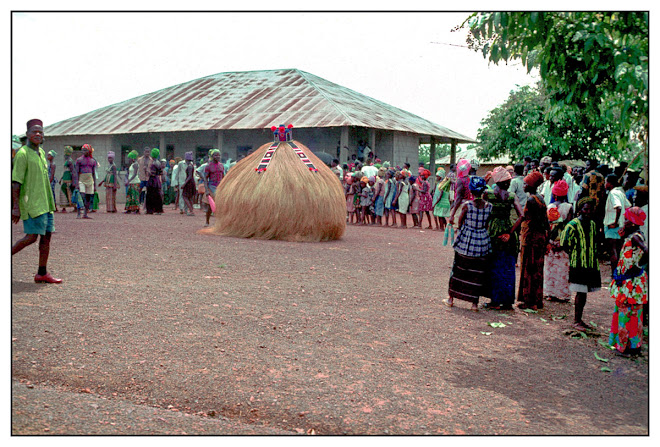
x=158 y=329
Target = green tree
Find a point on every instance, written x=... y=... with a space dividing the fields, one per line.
x=522 y=125
x=441 y=150
x=593 y=65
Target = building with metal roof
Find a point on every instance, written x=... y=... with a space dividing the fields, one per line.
x=234 y=112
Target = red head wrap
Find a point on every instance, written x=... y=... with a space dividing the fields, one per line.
x=635 y=215
x=534 y=179
x=560 y=188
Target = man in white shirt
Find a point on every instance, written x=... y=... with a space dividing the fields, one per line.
x=615 y=205
x=518 y=185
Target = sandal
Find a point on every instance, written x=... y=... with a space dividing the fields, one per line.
x=580 y=326
x=447 y=303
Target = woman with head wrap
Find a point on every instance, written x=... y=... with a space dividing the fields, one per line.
x=154 y=198
x=366 y=197
x=414 y=200
x=111 y=181
x=461 y=190
x=66 y=188
x=629 y=287
x=133 y=183
x=555 y=267
x=84 y=174
x=402 y=198
x=379 y=196
x=188 y=189
x=349 y=193
x=441 y=203
x=390 y=194
x=534 y=229
x=579 y=239
x=471 y=249
x=505 y=249
x=425 y=197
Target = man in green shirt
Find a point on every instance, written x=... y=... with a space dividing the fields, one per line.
x=32 y=198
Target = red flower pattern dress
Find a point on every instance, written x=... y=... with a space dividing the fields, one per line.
x=629 y=295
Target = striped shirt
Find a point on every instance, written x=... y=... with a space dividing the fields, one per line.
x=580 y=244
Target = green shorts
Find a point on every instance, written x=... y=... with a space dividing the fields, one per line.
x=39 y=225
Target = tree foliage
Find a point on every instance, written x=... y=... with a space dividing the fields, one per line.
x=593 y=65
x=523 y=126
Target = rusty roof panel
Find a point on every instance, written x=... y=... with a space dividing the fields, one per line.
x=249 y=100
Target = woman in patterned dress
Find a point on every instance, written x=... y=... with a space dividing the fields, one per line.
x=111 y=181
x=469 y=277
x=441 y=203
x=505 y=249
x=534 y=229
x=425 y=198
x=133 y=183
x=555 y=267
x=629 y=286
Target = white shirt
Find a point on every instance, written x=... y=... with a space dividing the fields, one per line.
x=370 y=171
x=518 y=188
x=175 y=178
x=615 y=199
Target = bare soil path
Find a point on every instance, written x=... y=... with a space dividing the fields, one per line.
x=158 y=329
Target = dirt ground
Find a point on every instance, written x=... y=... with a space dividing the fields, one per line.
x=158 y=329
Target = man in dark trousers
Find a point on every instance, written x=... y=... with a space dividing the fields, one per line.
x=32 y=198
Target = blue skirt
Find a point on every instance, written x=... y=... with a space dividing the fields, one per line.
x=502 y=278
x=379 y=206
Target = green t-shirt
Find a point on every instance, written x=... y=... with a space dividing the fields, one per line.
x=31 y=171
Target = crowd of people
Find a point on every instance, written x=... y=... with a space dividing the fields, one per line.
x=150 y=182
x=552 y=220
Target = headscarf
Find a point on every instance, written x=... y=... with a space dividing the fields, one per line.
x=583 y=201
x=34 y=122
x=386 y=164
x=133 y=154
x=547 y=159
x=87 y=147
x=188 y=156
x=560 y=188
x=477 y=184
x=635 y=215
x=501 y=174
x=68 y=150
x=364 y=179
x=488 y=176
x=475 y=163
x=412 y=179
x=534 y=179
x=155 y=153
x=463 y=168
x=553 y=214
x=52 y=153
x=172 y=162
x=405 y=173
x=371 y=179
x=425 y=174
x=213 y=151
x=349 y=179
x=381 y=172
x=440 y=172
x=111 y=154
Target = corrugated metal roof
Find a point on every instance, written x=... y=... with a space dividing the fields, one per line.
x=250 y=100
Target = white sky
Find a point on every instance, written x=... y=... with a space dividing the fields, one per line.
x=72 y=63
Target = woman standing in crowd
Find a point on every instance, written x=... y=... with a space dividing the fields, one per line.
x=349 y=192
x=188 y=189
x=133 y=183
x=462 y=189
x=154 y=198
x=414 y=200
x=503 y=241
x=66 y=189
x=534 y=229
x=390 y=194
x=629 y=286
x=579 y=239
x=555 y=268
x=402 y=198
x=425 y=198
x=472 y=246
x=379 y=196
x=441 y=203
x=111 y=181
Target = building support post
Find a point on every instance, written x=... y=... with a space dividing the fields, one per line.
x=432 y=163
x=343 y=144
x=220 y=141
x=372 y=142
x=452 y=158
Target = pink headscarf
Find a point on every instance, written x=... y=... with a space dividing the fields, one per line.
x=635 y=215
x=463 y=168
x=560 y=188
x=500 y=175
